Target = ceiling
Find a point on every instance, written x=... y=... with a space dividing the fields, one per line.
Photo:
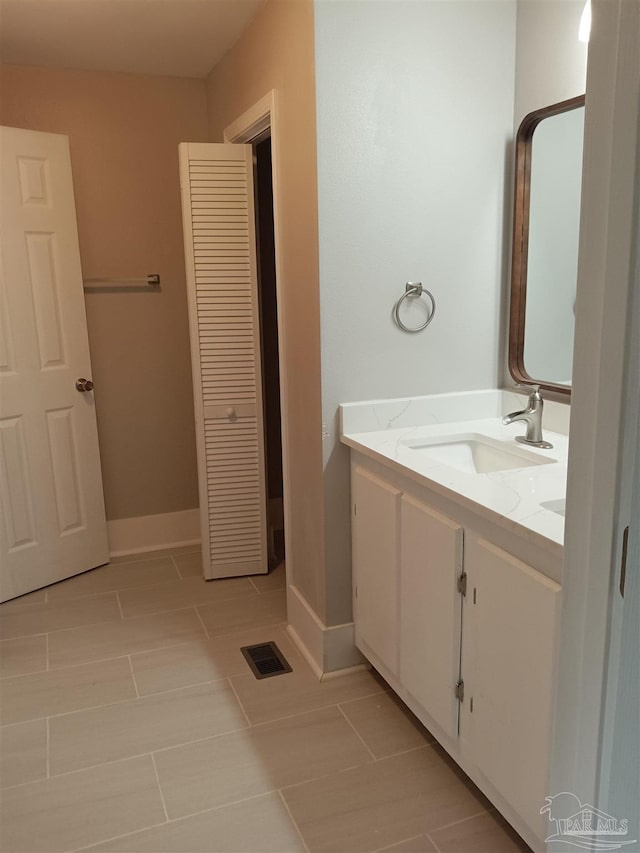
x=183 y=38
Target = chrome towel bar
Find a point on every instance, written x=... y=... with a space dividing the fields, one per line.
x=152 y=279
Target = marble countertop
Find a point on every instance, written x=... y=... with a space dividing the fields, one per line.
x=513 y=498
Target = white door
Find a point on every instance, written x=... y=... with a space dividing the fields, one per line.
x=430 y=610
x=619 y=791
x=620 y=767
x=53 y=522
x=376 y=550
x=222 y=287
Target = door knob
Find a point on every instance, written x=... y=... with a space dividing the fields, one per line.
x=230 y=413
x=84 y=385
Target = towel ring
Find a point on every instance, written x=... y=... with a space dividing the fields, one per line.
x=414 y=288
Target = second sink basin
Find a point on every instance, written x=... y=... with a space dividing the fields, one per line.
x=474 y=453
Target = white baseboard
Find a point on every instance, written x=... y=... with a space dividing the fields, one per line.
x=153 y=532
x=304 y=651
x=326 y=649
x=349 y=670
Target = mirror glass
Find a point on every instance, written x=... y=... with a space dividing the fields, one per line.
x=545 y=250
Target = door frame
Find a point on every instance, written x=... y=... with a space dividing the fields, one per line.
x=249 y=127
x=604 y=339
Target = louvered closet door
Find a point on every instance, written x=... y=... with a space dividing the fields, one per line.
x=220 y=251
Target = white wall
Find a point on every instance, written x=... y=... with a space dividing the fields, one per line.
x=551 y=63
x=415 y=123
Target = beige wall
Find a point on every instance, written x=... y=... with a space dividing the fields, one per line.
x=277 y=52
x=124 y=131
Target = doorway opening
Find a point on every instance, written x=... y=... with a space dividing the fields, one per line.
x=269 y=345
x=254 y=127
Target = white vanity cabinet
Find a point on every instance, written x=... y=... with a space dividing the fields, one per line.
x=464 y=631
x=375 y=544
x=407 y=560
x=430 y=609
x=510 y=618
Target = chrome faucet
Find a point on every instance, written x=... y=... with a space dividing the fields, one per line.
x=532 y=416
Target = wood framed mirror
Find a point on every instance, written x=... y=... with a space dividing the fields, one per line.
x=546 y=226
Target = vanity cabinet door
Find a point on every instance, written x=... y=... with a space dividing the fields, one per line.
x=430 y=610
x=509 y=637
x=375 y=542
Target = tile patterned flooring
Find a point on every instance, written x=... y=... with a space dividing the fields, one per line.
x=129 y=721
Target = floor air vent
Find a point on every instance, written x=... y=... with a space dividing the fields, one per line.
x=265 y=660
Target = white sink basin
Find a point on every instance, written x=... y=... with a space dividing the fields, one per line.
x=476 y=454
x=555 y=506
